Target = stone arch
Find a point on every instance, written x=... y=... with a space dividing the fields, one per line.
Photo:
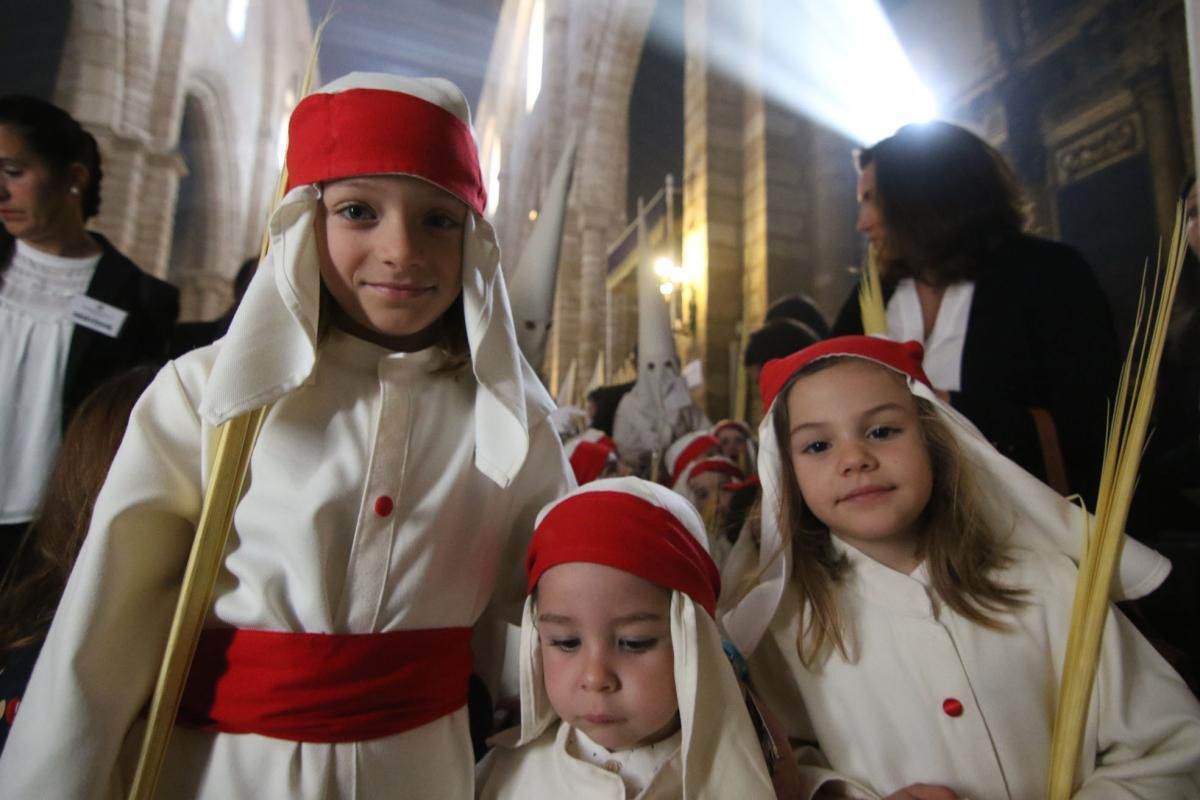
x=204 y=245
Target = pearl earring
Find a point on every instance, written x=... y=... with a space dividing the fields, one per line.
x=74 y=190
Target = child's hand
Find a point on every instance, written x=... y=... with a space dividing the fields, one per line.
x=924 y=791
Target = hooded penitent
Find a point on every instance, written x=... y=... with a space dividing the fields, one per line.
x=658 y=409
x=1038 y=517
x=533 y=280
x=646 y=530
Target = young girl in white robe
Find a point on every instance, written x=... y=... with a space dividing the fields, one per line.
x=399 y=468
x=625 y=689
x=910 y=611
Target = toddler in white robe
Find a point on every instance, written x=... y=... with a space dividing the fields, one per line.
x=910 y=608
x=625 y=688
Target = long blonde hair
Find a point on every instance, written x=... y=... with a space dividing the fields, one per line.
x=960 y=548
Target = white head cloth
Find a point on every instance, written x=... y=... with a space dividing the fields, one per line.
x=719 y=748
x=1015 y=502
x=271 y=346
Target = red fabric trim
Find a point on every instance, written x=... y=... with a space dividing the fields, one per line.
x=716 y=465
x=588 y=460
x=690 y=453
x=733 y=423
x=316 y=687
x=903 y=357
x=373 y=132
x=631 y=535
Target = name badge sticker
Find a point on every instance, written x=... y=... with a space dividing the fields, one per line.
x=97 y=315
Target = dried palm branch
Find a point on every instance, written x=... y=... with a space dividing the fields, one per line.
x=227 y=479
x=870 y=298
x=1102 y=542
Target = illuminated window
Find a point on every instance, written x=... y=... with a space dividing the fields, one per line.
x=235 y=17
x=533 y=58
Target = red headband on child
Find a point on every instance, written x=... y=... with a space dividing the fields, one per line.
x=629 y=533
x=588 y=458
x=903 y=357
x=701 y=442
x=377 y=132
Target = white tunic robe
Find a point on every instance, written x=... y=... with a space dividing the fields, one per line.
x=888 y=720
x=307 y=552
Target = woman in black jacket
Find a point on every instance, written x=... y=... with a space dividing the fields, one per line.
x=73 y=310
x=1017 y=330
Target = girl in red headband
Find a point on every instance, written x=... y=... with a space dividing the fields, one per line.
x=913 y=595
x=405 y=450
x=625 y=688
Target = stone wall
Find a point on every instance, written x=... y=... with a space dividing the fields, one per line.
x=129 y=69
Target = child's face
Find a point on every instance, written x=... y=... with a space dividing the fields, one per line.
x=860 y=457
x=390 y=249
x=733 y=443
x=706 y=489
x=607 y=655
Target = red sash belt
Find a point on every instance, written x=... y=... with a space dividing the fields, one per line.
x=318 y=687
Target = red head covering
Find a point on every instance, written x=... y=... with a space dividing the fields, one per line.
x=588 y=457
x=376 y=131
x=688 y=448
x=903 y=357
x=733 y=423
x=631 y=525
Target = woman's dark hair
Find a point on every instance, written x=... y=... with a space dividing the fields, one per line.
x=947 y=198
x=36 y=579
x=58 y=139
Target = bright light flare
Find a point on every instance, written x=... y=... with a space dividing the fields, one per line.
x=838 y=63
x=842 y=64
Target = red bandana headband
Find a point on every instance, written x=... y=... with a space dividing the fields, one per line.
x=629 y=533
x=375 y=132
x=702 y=442
x=736 y=424
x=903 y=357
x=588 y=459
x=722 y=465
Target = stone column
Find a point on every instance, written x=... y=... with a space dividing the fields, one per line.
x=712 y=197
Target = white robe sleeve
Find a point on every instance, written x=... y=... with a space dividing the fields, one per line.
x=1145 y=721
x=101 y=657
x=545 y=476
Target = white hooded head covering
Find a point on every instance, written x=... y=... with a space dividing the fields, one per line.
x=533 y=280
x=1015 y=502
x=645 y=529
x=371 y=124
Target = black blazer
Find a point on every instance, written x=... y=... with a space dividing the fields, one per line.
x=1039 y=335
x=152 y=304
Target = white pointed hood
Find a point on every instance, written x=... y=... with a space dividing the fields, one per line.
x=658 y=409
x=536 y=273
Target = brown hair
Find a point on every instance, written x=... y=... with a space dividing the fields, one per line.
x=947 y=199
x=960 y=548
x=36 y=579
